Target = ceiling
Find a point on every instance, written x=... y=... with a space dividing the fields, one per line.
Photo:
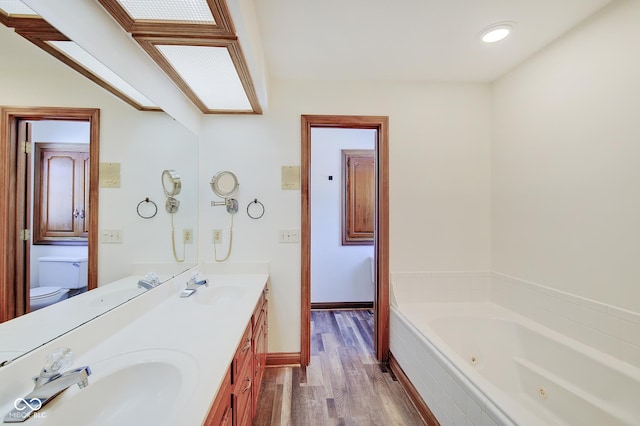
x=374 y=40
x=425 y=40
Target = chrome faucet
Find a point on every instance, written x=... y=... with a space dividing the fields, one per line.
x=49 y=384
x=145 y=284
x=149 y=281
x=194 y=284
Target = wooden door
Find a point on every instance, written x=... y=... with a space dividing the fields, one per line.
x=22 y=222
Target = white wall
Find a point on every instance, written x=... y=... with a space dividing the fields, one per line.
x=144 y=143
x=338 y=273
x=566 y=162
x=439 y=180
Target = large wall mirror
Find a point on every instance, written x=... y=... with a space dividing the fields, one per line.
x=130 y=237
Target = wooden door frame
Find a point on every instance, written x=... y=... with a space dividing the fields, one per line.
x=381 y=246
x=9 y=117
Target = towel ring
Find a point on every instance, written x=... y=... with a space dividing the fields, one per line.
x=154 y=206
x=258 y=209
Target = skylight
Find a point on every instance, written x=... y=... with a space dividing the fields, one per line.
x=82 y=57
x=196 y=11
x=15 y=7
x=210 y=73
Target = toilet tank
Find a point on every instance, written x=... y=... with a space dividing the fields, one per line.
x=65 y=272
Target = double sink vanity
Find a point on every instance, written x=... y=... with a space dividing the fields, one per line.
x=159 y=359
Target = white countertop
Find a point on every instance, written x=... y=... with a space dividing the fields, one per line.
x=204 y=328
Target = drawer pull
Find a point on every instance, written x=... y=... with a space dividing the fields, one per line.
x=248 y=386
x=225 y=416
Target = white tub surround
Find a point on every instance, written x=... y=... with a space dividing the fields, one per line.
x=610 y=329
x=158 y=359
x=476 y=362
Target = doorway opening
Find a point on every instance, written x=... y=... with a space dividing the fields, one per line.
x=15 y=192
x=380 y=268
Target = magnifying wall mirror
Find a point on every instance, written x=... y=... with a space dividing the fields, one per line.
x=171 y=185
x=225 y=185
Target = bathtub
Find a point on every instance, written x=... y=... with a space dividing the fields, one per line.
x=480 y=363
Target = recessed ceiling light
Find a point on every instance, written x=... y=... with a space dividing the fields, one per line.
x=496 y=32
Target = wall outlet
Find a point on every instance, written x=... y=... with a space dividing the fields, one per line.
x=111 y=236
x=187 y=236
x=217 y=236
x=289 y=236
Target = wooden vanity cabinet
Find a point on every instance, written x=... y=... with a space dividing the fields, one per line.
x=221 y=413
x=242 y=378
x=237 y=400
x=260 y=345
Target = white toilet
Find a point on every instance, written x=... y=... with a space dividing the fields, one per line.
x=57 y=276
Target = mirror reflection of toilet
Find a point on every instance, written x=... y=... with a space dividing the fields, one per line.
x=58 y=279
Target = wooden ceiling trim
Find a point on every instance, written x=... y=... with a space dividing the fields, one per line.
x=4 y=18
x=177 y=29
x=221 y=15
x=245 y=76
x=223 y=26
x=119 y=14
x=33 y=26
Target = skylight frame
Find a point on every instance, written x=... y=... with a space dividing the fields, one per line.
x=222 y=26
x=150 y=45
x=152 y=33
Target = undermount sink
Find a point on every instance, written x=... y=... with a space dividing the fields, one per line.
x=218 y=294
x=146 y=387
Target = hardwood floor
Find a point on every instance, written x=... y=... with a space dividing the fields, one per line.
x=343 y=384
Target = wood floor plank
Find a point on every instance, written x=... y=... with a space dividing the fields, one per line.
x=314 y=373
x=267 y=395
x=343 y=385
x=287 y=396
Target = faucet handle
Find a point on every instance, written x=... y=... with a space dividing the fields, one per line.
x=58 y=360
x=152 y=278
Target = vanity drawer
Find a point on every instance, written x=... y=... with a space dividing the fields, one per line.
x=242 y=396
x=243 y=355
x=260 y=349
x=261 y=307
